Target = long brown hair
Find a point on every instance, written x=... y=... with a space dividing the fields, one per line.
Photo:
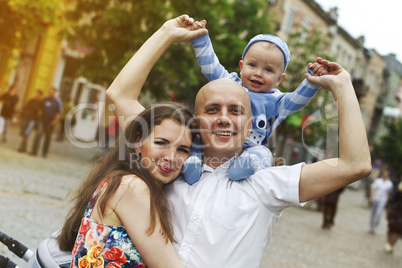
x=118 y=163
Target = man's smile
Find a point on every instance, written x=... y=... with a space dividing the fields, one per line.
x=224 y=133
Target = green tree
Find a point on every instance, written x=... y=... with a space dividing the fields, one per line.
x=389 y=148
x=23 y=20
x=304 y=50
x=114 y=30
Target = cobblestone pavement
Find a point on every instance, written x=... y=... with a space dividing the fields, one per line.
x=299 y=242
x=33 y=190
x=33 y=204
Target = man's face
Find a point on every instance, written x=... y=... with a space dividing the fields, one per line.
x=223 y=113
x=13 y=91
x=38 y=95
x=52 y=93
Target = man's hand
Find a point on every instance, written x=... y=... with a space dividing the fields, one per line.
x=184 y=28
x=335 y=74
x=318 y=69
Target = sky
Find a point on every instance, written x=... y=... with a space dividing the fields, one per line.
x=379 y=21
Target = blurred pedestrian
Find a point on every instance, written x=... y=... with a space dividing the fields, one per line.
x=51 y=111
x=112 y=132
x=67 y=106
x=380 y=191
x=330 y=207
x=29 y=117
x=9 y=99
x=394 y=217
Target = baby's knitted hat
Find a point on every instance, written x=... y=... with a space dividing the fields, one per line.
x=273 y=39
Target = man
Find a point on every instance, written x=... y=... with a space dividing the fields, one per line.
x=67 y=106
x=381 y=190
x=330 y=208
x=9 y=99
x=52 y=108
x=29 y=118
x=220 y=223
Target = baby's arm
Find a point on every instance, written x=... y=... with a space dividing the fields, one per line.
x=208 y=61
x=289 y=103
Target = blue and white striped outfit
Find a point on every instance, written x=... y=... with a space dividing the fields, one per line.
x=268 y=109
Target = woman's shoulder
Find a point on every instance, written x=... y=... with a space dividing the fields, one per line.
x=133 y=193
x=132 y=184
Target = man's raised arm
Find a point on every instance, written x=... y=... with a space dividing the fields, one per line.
x=354 y=162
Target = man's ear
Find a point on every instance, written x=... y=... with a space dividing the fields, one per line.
x=250 y=126
x=280 y=78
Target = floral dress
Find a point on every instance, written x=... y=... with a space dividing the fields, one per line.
x=99 y=245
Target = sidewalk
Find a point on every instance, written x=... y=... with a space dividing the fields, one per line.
x=33 y=205
x=298 y=240
x=33 y=190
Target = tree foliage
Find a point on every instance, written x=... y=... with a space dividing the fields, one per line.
x=114 y=30
x=389 y=148
x=303 y=51
x=23 y=20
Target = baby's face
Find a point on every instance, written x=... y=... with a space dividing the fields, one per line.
x=262 y=67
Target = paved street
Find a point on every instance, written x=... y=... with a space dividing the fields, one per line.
x=33 y=204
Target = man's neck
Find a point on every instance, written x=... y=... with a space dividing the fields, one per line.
x=215 y=160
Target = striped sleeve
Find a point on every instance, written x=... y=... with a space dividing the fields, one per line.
x=289 y=103
x=208 y=61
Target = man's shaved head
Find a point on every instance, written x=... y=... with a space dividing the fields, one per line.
x=223 y=111
x=219 y=86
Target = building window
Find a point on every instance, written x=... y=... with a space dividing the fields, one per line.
x=305 y=28
x=289 y=19
x=372 y=81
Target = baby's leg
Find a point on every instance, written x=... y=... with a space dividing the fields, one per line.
x=192 y=168
x=254 y=158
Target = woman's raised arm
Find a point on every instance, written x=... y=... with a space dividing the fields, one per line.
x=125 y=89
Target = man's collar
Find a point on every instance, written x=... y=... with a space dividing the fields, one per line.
x=223 y=168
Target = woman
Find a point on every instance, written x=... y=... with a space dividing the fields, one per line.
x=126 y=219
x=126 y=214
x=9 y=99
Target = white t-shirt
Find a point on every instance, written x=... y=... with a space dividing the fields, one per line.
x=220 y=223
x=382 y=189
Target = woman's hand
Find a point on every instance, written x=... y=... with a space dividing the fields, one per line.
x=184 y=28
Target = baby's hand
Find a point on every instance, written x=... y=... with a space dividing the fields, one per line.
x=193 y=24
x=199 y=25
x=318 y=68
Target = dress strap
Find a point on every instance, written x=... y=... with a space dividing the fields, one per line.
x=94 y=198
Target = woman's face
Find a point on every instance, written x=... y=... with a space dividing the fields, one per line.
x=164 y=151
